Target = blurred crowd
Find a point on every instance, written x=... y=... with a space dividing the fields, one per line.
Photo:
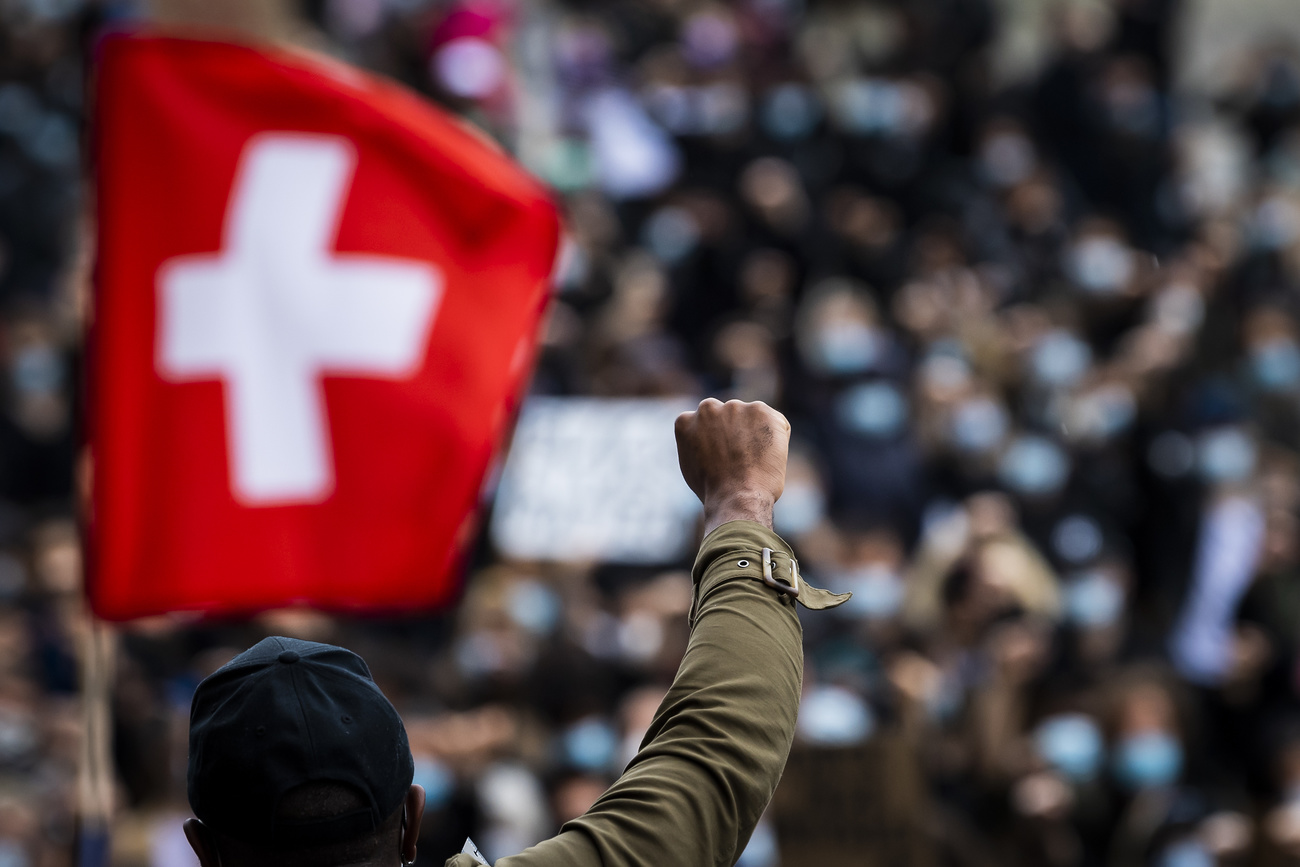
x=1036 y=326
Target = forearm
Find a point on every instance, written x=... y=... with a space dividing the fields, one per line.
x=718 y=744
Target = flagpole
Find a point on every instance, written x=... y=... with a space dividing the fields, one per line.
x=95 y=771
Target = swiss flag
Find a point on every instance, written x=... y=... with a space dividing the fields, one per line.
x=315 y=311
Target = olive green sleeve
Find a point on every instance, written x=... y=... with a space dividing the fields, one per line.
x=715 y=751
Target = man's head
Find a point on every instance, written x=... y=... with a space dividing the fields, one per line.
x=298 y=760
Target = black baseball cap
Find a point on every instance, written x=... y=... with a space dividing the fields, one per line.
x=283 y=714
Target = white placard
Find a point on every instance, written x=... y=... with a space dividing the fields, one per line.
x=595 y=479
x=472 y=851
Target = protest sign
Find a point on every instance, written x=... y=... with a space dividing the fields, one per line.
x=595 y=479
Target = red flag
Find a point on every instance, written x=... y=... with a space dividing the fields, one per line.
x=315 y=311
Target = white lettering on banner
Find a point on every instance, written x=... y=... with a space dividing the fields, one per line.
x=276 y=309
x=592 y=478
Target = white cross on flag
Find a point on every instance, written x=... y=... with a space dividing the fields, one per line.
x=276 y=309
x=316 y=305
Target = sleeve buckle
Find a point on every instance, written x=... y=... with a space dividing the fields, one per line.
x=791 y=589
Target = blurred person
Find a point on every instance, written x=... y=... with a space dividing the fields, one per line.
x=871 y=230
x=1227 y=556
x=772 y=188
x=840 y=333
x=1017 y=653
x=1044 y=832
x=1096 y=603
x=1151 y=760
x=296 y=757
x=632 y=352
x=802 y=509
x=746 y=354
x=973 y=566
x=767 y=281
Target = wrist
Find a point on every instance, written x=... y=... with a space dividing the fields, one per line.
x=747 y=505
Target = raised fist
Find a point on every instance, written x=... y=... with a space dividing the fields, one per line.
x=733 y=456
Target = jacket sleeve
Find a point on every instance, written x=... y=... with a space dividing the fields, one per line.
x=719 y=742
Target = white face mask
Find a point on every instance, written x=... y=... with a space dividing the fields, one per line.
x=945 y=372
x=1101 y=264
x=1178 y=309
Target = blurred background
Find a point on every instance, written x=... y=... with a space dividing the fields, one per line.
x=1023 y=274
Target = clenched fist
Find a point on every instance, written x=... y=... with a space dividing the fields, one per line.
x=733 y=457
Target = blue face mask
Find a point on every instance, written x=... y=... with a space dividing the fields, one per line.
x=978 y=425
x=671 y=233
x=1274 y=224
x=790 y=112
x=1093 y=601
x=877 y=593
x=876 y=410
x=590 y=745
x=1148 y=760
x=1077 y=539
x=834 y=716
x=535 y=607
x=37 y=370
x=1072 y=744
x=1275 y=365
x=1226 y=455
x=1034 y=466
x=12 y=855
x=1186 y=853
x=867 y=106
x=1060 y=360
x=845 y=348
x=437 y=781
